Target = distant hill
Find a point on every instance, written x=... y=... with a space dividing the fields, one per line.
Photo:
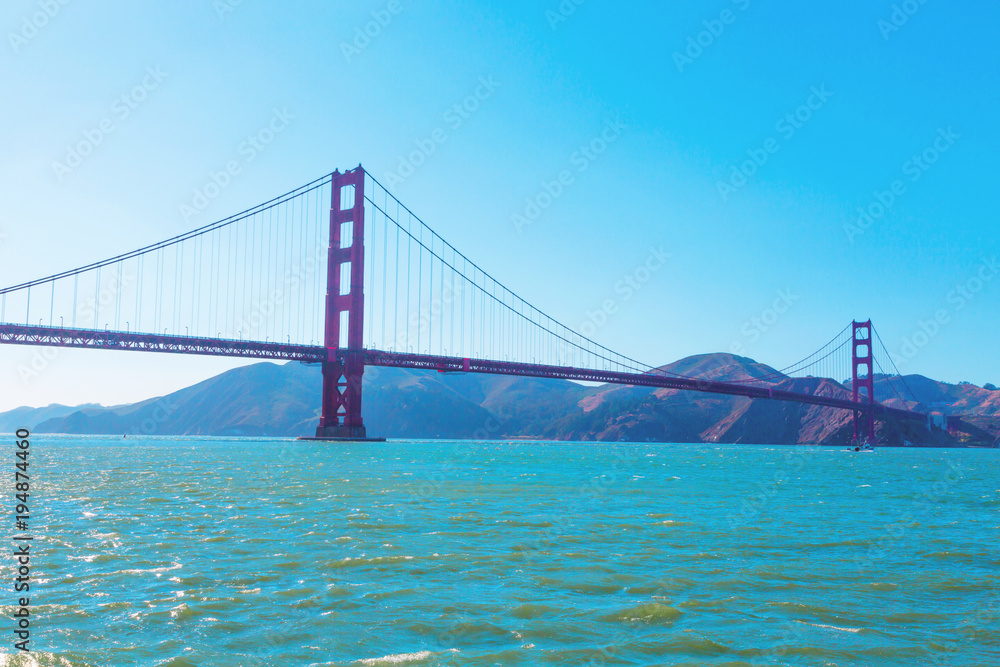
x=268 y=399
x=931 y=395
x=29 y=418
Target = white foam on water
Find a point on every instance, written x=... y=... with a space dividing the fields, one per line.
x=831 y=627
x=156 y=570
x=401 y=658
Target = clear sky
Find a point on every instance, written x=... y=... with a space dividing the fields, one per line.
x=740 y=137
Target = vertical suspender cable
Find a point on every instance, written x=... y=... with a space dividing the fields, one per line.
x=420 y=288
x=385 y=257
x=97 y=299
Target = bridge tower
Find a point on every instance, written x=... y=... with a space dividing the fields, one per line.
x=345 y=307
x=862 y=360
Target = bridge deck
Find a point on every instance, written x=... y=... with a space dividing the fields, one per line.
x=18 y=334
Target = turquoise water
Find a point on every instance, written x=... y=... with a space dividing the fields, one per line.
x=263 y=552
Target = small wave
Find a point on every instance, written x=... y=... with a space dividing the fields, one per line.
x=156 y=570
x=914 y=618
x=529 y=611
x=360 y=561
x=884 y=586
x=94 y=558
x=402 y=658
x=831 y=627
x=118 y=604
x=385 y=595
x=527 y=524
x=178 y=662
x=38 y=659
x=952 y=555
x=182 y=612
x=580 y=587
x=653 y=612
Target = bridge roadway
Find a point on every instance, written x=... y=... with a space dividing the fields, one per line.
x=19 y=334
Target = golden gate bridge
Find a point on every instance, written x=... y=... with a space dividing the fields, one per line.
x=339 y=272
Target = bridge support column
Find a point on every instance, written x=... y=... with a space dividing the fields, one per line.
x=342 y=398
x=863 y=378
x=345 y=307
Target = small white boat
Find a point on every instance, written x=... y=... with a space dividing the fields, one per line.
x=865 y=448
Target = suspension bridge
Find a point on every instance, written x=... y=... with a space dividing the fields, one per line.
x=340 y=273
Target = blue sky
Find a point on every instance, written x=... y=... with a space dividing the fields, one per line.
x=741 y=138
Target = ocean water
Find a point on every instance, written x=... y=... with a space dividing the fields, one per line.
x=160 y=551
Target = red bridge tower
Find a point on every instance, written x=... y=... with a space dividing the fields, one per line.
x=345 y=307
x=861 y=360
